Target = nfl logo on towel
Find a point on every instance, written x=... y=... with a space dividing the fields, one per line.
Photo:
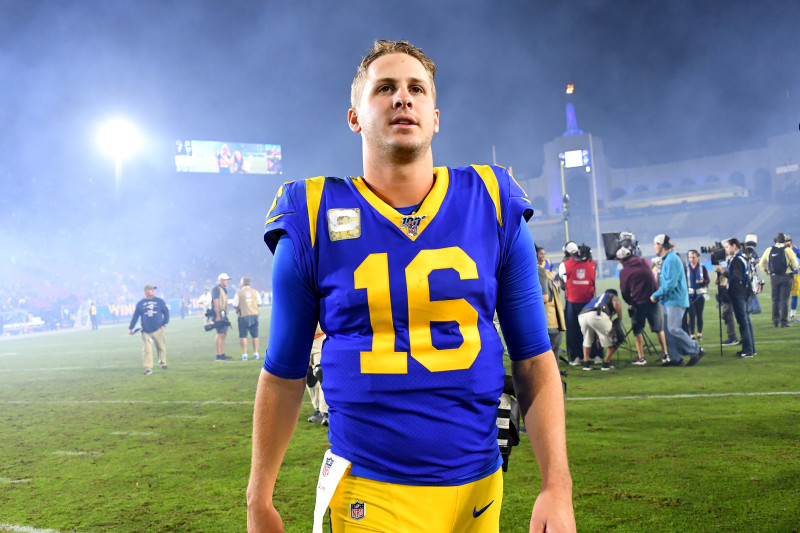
x=327 y=468
x=358 y=510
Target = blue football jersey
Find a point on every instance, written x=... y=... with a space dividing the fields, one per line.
x=412 y=362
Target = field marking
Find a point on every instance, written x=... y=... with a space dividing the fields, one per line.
x=680 y=396
x=26 y=529
x=72 y=453
x=201 y=403
x=13 y=481
x=136 y=433
x=107 y=367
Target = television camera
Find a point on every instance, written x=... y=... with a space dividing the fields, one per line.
x=717 y=253
x=612 y=242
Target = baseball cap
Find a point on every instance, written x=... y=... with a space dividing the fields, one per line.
x=571 y=248
x=660 y=238
x=787 y=237
x=623 y=253
x=223 y=276
x=150 y=287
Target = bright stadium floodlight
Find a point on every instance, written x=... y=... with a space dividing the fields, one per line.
x=120 y=140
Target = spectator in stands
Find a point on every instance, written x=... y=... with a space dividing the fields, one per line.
x=155 y=317
x=737 y=285
x=673 y=294
x=577 y=273
x=697 y=276
x=781 y=263
x=597 y=325
x=637 y=282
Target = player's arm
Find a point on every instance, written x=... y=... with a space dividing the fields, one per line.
x=281 y=384
x=537 y=383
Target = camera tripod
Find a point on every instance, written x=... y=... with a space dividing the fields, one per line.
x=628 y=343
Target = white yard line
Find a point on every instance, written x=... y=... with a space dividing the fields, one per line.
x=26 y=529
x=250 y=402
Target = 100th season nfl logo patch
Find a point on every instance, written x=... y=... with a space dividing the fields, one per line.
x=358 y=510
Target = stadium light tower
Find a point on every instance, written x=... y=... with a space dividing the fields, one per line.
x=120 y=139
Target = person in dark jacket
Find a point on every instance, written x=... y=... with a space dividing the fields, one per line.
x=736 y=275
x=155 y=317
x=637 y=282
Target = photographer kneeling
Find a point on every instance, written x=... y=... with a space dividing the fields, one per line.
x=738 y=283
x=596 y=323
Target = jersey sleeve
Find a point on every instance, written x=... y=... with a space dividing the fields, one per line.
x=290 y=215
x=295 y=312
x=519 y=301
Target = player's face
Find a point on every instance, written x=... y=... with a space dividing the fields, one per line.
x=541 y=254
x=397 y=114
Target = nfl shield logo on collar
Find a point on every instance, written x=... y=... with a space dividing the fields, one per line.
x=411 y=224
x=358 y=510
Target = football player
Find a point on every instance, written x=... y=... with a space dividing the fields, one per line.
x=404 y=268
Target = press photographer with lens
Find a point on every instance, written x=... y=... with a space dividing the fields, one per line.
x=738 y=285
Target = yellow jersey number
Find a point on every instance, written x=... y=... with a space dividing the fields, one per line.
x=373 y=275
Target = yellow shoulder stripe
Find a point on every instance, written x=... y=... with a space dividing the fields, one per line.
x=313 y=198
x=490 y=181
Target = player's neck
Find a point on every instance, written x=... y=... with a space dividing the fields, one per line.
x=400 y=185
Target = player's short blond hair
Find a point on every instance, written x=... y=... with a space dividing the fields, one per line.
x=382 y=48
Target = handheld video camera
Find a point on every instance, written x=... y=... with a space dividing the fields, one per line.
x=612 y=242
x=716 y=251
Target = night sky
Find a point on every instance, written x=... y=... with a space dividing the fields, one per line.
x=658 y=81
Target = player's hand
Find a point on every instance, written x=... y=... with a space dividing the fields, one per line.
x=553 y=513
x=263 y=519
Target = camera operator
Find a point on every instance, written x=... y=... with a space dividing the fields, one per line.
x=780 y=262
x=636 y=283
x=738 y=287
x=578 y=274
x=673 y=294
x=697 y=276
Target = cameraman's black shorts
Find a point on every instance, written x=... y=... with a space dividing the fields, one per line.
x=248 y=324
x=222 y=326
x=647 y=312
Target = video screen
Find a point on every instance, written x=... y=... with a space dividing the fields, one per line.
x=576 y=158
x=217 y=157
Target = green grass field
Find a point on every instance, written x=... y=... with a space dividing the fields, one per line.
x=88 y=443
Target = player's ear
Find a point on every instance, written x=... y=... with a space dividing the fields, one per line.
x=352 y=120
x=435 y=121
